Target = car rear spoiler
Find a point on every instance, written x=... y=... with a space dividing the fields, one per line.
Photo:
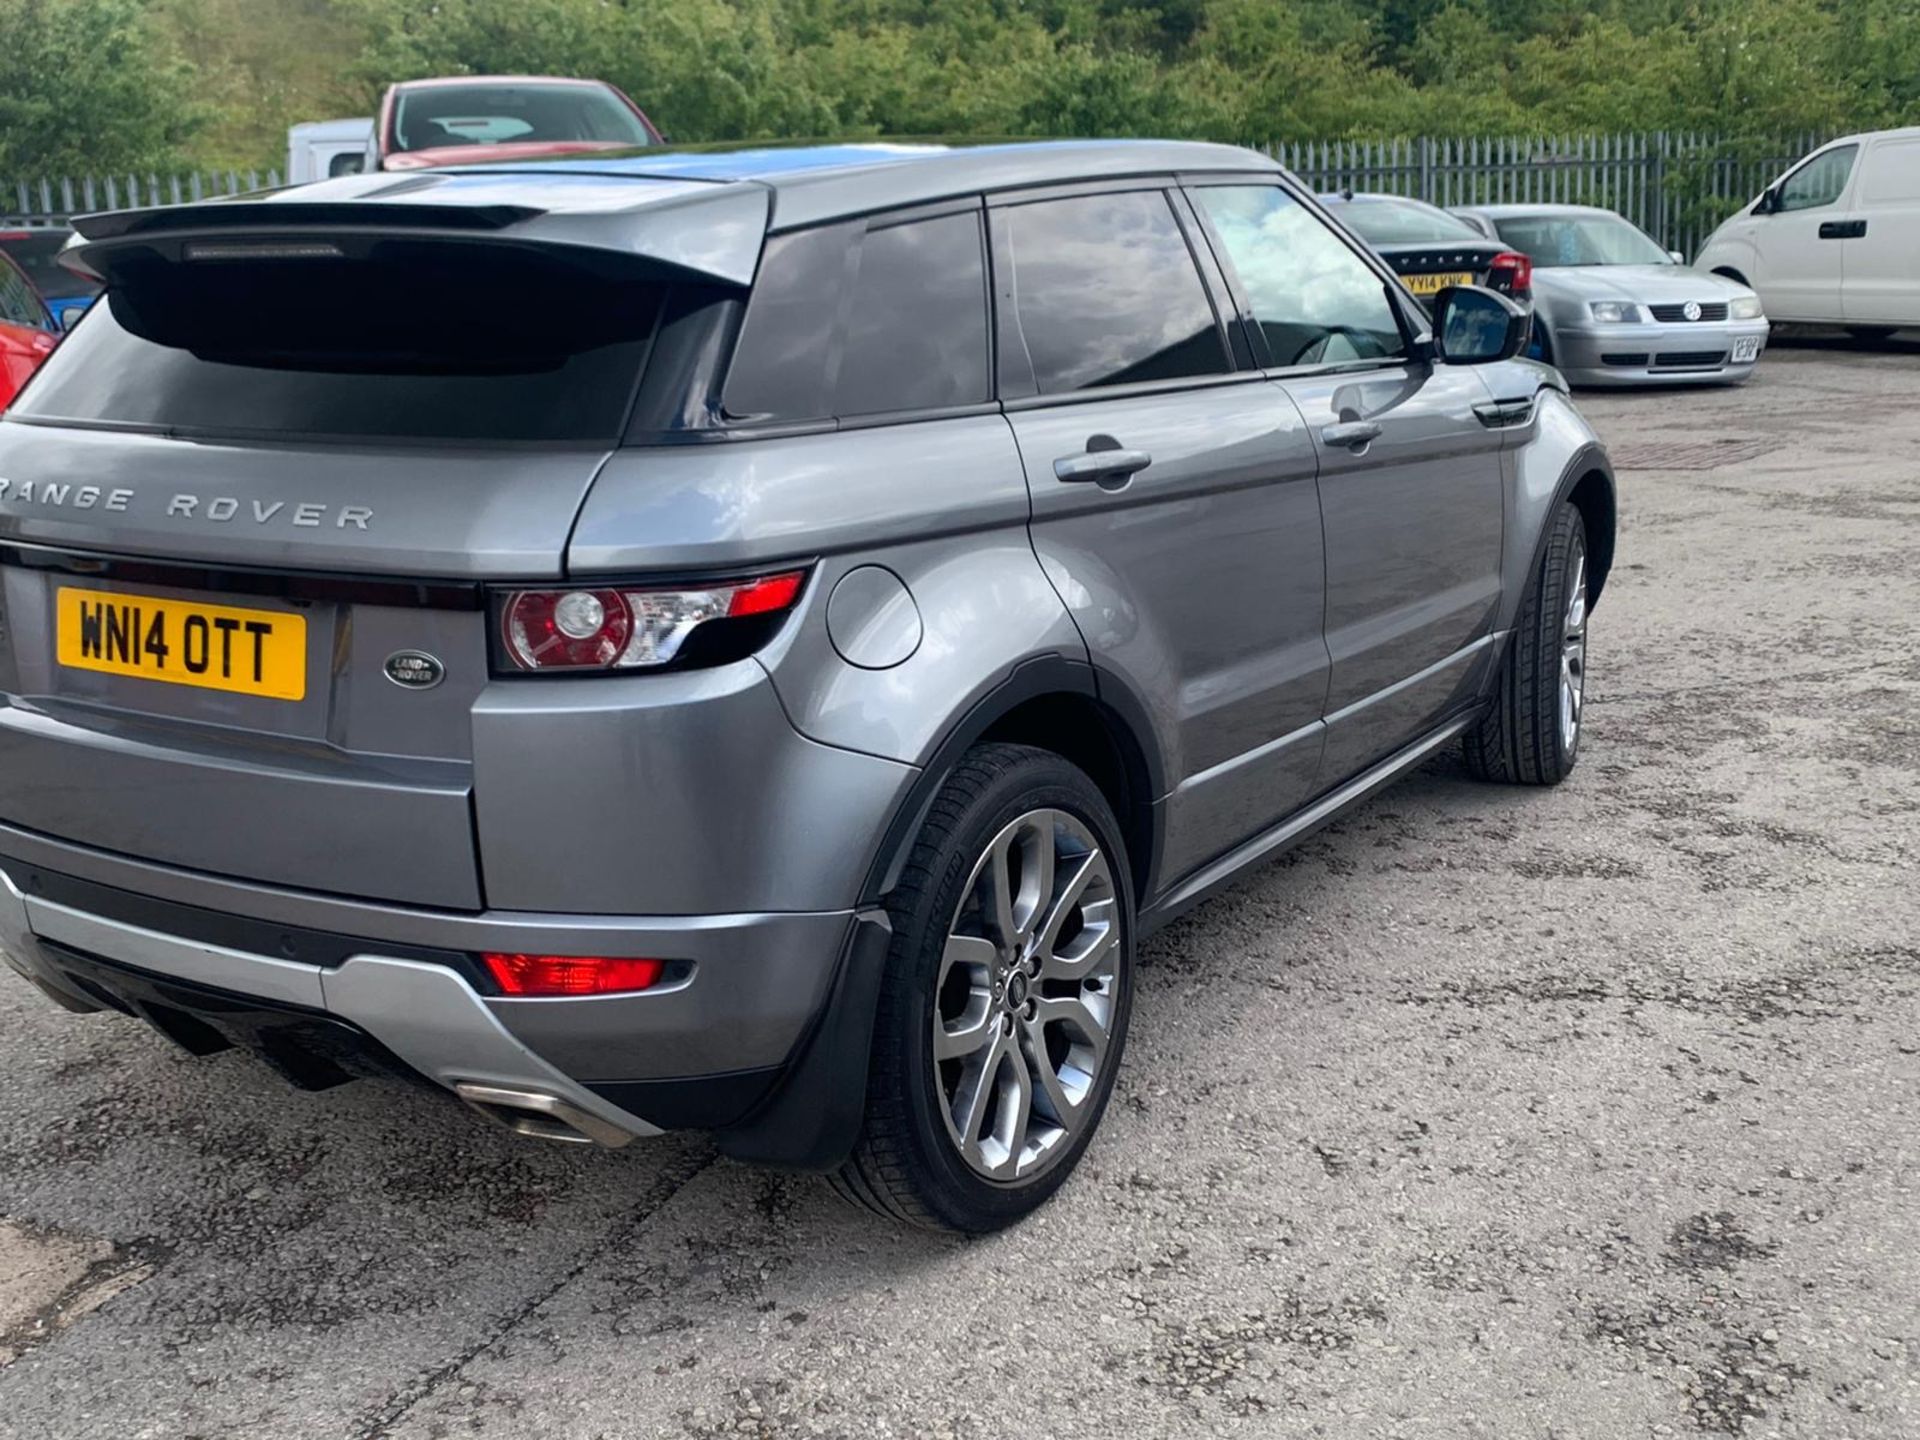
x=702 y=230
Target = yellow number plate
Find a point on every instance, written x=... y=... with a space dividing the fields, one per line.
x=183 y=642
x=1434 y=284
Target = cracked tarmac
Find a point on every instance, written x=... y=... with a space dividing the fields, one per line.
x=1485 y=1113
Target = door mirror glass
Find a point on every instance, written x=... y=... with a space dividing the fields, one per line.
x=1474 y=326
x=1768 y=202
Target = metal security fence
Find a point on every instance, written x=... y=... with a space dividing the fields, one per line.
x=53 y=201
x=1675 y=186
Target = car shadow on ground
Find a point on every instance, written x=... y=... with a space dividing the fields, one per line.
x=1820 y=337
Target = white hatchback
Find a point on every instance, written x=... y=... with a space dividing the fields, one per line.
x=1836 y=240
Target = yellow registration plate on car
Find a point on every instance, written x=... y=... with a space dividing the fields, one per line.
x=182 y=642
x=1434 y=284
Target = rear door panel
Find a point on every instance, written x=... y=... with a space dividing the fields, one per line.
x=1202 y=584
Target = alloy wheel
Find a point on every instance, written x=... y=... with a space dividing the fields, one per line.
x=1026 y=996
x=1573 y=654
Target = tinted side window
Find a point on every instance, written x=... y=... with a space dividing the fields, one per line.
x=1314 y=300
x=847 y=321
x=1106 y=293
x=1820 y=181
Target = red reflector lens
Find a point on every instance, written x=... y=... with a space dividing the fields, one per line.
x=764 y=597
x=571 y=974
x=1518 y=267
x=566 y=629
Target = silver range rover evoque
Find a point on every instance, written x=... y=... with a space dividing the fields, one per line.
x=750 y=642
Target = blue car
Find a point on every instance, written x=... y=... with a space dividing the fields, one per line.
x=35 y=251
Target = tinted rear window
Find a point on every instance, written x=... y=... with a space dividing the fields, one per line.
x=419 y=341
x=35 y=251
x=848 y=320
x=1106 y=293
x=1403 y=222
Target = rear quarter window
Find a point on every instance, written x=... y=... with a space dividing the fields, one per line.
x=864 y=319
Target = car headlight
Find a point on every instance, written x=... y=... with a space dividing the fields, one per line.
x=1615 y=312
x=1746 y=307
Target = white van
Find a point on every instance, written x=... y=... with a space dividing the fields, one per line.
x=1836 y=240
x=322 y=149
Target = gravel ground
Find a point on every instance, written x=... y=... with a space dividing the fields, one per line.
x=1486 y=1113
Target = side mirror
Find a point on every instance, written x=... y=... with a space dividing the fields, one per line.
x=1473 y=325
x=1678 y=257
x=70 y=317
x=1768 y=202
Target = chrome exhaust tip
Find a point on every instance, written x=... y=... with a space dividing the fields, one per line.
x=540 y=1116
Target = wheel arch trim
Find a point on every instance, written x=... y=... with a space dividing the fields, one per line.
x=1036 y=678
x=1586 y=473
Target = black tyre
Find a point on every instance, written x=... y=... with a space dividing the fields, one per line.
x=1872 y=334
x=1531 y=733
x=1003 y=1012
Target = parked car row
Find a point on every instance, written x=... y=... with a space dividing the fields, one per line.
x=1836 y=241
x=1610 y=307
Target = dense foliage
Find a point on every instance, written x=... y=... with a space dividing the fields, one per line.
x=96 y=84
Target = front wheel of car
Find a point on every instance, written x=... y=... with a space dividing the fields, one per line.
x=1003 y=1009
x=1530 y=734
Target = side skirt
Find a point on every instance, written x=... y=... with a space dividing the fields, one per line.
x=1269 y=843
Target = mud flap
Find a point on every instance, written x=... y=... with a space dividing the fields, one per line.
x=812 y=1120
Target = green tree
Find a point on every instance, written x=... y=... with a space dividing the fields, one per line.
x=90 y=86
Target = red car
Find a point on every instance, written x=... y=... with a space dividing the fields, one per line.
x=27 y=330
x=468 y=119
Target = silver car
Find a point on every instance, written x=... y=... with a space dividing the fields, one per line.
x=1612 y=308
x=767 y=677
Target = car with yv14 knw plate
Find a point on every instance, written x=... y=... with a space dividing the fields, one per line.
x=768 y=678
x=1611 y=308
x=1429 y=249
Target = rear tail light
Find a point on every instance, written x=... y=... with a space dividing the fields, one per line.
x=617 y=628
x=1511 y=272
x=553 y=975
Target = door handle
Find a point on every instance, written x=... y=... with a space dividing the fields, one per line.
x=1109 y=466
x=1843 y=229
x=1354 y=435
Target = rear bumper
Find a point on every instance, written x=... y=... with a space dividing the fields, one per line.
x=704 y=1050
x=1652 y=354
